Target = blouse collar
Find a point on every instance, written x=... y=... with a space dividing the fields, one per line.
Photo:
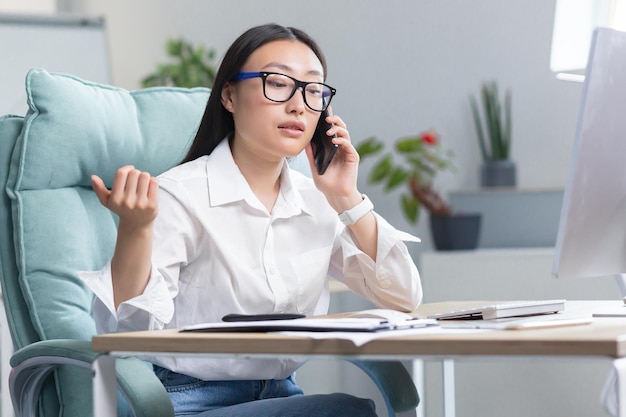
x=220 y=165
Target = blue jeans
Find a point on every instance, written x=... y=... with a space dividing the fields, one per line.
x=258 y=398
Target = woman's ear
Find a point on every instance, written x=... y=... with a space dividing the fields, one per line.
x=227 y=97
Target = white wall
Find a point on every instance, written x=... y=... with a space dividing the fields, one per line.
x=28 y=6
x=400 y=67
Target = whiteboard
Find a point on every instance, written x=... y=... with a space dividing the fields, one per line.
x=57 y=43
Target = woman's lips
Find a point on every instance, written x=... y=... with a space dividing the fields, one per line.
x=294 y=129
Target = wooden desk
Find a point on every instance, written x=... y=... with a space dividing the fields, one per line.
x=604 y=338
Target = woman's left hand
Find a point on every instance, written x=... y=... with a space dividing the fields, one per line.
x=339 y=182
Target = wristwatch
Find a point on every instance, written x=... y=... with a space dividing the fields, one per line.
x=351 y=216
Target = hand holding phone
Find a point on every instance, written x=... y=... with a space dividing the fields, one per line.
x=323 y=148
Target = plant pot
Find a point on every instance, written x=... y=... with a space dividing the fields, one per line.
x=501 y=173
x=456 y=232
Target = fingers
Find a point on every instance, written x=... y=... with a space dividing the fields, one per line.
x=139 y=186
x=100 y=189
x=119 y=186
x=129 y=186
x=341 y=137
x=134 y=194
x=153 y=189
x=339 y=128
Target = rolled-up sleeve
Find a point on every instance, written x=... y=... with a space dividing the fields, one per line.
x=150 y=310
x=392 y=281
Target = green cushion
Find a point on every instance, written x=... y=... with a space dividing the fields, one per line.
x=74 y=129
x=77 y=128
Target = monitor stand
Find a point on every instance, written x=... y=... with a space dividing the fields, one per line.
x=619 y=310
x=620 y=280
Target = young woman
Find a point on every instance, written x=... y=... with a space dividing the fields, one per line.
x=234 y=230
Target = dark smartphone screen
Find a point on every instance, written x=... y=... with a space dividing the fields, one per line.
x=261 y=317
x=323 y=147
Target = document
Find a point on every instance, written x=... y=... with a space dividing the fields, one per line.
x=347 y=324
x=362 y=338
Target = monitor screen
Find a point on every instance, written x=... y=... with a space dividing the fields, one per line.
x=591 y=240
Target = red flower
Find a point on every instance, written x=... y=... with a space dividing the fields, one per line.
x=430 y=137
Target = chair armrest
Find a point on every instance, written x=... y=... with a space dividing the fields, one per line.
x=394 y=382
x=32 y=364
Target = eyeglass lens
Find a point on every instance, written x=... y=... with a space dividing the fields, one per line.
x=278 y=87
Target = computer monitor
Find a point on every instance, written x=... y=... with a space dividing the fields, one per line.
x=591 y=240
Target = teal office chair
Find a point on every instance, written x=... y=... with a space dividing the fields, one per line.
x=52 y=225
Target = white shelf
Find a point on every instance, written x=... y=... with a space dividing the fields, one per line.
x=504 y=274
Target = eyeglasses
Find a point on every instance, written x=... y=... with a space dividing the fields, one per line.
x=280 y=88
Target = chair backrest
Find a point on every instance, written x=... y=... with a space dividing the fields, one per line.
x=51 y=223
x=16 y=309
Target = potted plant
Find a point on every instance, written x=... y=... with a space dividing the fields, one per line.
x=191 y=67
x=414 y=163
x=493 y=128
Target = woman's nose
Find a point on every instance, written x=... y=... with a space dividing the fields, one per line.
x=296 y=102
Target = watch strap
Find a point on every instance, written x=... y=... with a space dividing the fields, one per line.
x=353 y=215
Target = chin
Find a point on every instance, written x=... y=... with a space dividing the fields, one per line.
x=293 y=149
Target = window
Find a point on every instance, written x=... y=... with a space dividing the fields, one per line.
x=574 y=23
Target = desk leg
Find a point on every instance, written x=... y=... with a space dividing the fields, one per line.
x=621 y=388
x=104 y=386
x=449 y=406
x=613 y=396
x=418 y=379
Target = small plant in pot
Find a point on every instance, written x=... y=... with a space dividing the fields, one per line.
x=493 y=128
x=414 y=163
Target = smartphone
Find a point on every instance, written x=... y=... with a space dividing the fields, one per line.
x=323 y=147
x=261 y=317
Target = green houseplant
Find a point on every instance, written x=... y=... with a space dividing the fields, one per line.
x=413 y=163
x=421 y=157
x=190 y=67
x=494 y=130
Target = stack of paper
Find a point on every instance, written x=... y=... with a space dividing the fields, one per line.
x=349 y=324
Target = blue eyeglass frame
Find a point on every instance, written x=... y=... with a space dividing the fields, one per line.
x=246 y=75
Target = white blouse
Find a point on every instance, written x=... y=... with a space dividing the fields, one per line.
x=217 y=250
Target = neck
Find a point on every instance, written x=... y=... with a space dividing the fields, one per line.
x=262 y=175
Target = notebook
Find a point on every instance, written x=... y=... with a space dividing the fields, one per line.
x=502 y=310
x=519 y=323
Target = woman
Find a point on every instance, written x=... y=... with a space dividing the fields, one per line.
x=234 y=230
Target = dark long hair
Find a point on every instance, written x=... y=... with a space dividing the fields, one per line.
x=217 y=122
